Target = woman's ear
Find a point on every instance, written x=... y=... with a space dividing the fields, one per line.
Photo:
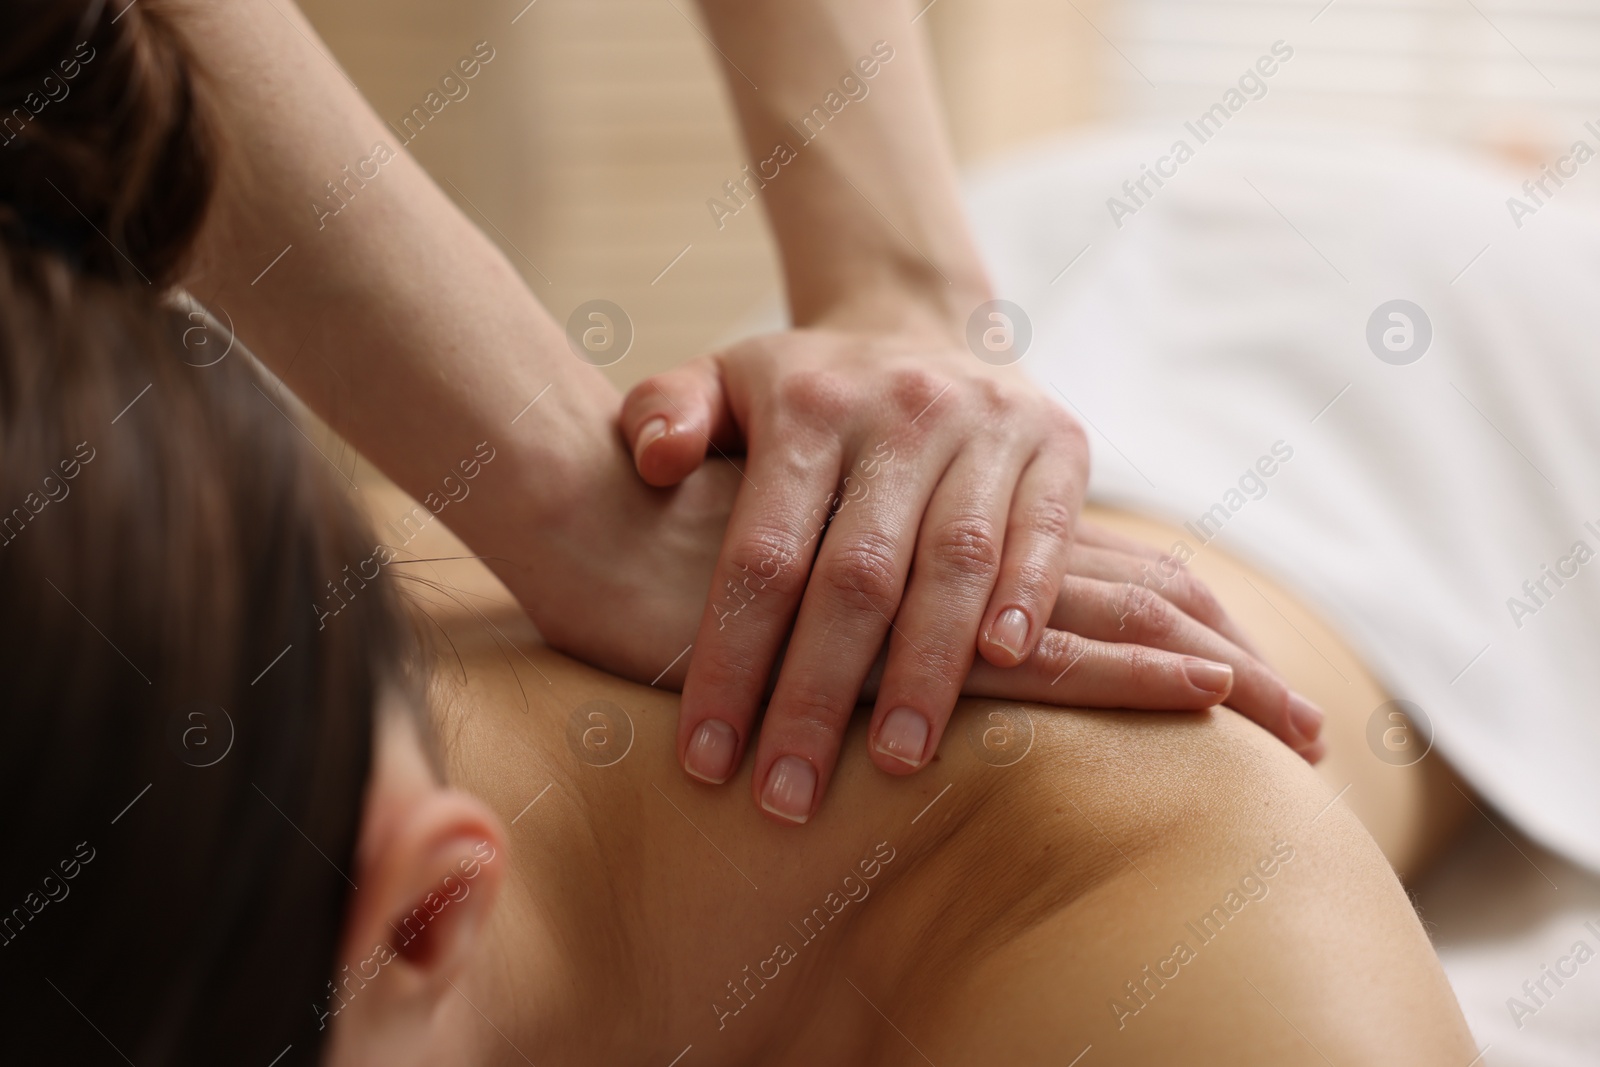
x=429 y=868
x=428 y=897
x=443 y=877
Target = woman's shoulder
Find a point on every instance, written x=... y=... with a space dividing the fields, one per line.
x=903 y=885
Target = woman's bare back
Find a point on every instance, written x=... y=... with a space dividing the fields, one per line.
x=1137 y=885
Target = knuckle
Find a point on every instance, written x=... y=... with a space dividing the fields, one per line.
x=989 y=395
x=1161 y=622
x=1031 y=583
x=1144 y=664
x=1180 y=586
x=812 y=395
x=812 y=711
x=794 y=449
x=1065 y=425
x=1051 y=519
x=941 y=664
x=1061 y=654
x=772 y=557
x=1132 y=605
x=965 y=547
x=1206 y=603
x=865 y=566
x=730 y=672
x=1197 y=598
x=913 y=388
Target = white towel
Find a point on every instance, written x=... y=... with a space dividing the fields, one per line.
x=1230 y=312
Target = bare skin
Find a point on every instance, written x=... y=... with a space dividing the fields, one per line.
x=1016 y=887
x=1413 y=811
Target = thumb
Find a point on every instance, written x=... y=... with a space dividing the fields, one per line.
x=669 y=421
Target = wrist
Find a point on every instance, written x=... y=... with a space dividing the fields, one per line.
x=560 y=458
x=917 y=301
x=547 y=464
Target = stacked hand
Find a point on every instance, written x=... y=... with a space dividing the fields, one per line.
x=897 y=497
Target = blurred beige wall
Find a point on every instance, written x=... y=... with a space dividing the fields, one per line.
x=588 y=146
x=1012 y=71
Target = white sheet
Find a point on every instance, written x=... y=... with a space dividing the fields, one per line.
x=1230 y=313
x=1498 y=920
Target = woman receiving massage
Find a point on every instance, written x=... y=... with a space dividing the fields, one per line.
x=266 y=803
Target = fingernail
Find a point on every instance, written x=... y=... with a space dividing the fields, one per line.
x=711 y=750
x=1305 y=717
x=1214 y=678
x=1314 y=752
x=903 y=735
x=791 y=783
x=1010 y=631
x=652 y=431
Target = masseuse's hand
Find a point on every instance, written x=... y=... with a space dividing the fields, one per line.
x=948 y=489
x=1121 y=590
x=904 y=450
x=1124 y=607
x=638 y=562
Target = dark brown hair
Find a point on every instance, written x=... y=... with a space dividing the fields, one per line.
x=185 y=744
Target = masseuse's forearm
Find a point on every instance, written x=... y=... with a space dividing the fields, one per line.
x=867 y=212
x=394 y=318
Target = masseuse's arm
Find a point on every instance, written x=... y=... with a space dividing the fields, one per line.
x=408 y=332
x=951 y=485
x=395 y=319
x=412 y=336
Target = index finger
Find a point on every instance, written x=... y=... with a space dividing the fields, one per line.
x=761 y=573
